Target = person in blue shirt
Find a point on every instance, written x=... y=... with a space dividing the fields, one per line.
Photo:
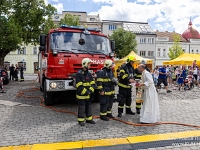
x=162 y=78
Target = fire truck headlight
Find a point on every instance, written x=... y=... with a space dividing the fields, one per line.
x=53 y=85
x=61 y=85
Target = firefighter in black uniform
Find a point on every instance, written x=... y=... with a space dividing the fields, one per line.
x=106 y=84
x=137 y=75
x=21 y=73
x=85 y=89
x=125 y=79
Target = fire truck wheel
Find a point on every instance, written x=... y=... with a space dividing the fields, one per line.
x=48 y=97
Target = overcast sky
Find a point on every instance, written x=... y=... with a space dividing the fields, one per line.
x=162 y=15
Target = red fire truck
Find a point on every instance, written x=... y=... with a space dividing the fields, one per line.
x=61 y=53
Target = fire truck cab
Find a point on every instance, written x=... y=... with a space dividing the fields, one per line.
x=60 y=55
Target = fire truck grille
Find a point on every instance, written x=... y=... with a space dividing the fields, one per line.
x=77 y=67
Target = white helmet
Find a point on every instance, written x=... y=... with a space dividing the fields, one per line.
x=108 y=63
x=85 y=62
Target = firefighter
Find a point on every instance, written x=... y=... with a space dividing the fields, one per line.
x=125 y=79
x=106 y=85
x=137 y=75
x=21 y=68
x=85 y=89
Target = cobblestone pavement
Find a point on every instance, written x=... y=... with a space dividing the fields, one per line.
x=23 y=121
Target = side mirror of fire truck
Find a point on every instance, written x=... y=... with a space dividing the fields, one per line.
x=113 y=45
x=42 y=40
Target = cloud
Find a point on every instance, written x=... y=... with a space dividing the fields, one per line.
x=55 y=0
x=46 y=2
x=59 y=7
x=170 y=14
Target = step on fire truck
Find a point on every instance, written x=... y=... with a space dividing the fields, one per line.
x=61 y=52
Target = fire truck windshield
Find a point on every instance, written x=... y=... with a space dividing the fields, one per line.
x=69 y=41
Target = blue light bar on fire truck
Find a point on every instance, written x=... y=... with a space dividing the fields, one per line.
x=79 y=27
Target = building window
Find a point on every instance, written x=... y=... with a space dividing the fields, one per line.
x=164 y=53
x=150 y=53
x=192 y=51
x=56 y=17
x=92 y=19
x=142 y=40
x=142 y=53
x=79 y=17
x=34 y=50
x=158 y=53
x=112 y=27
x=22 y=50
x=197 y=51
x=183 y=50
x=150 y=40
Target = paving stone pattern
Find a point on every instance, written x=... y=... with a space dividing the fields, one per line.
x=24 y=121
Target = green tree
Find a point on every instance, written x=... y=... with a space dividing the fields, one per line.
x=176 y=50
x=30 y=15
x=49 y=24
x=124 y=42
x=9 y=37
x=22 y=22
x=70 y=20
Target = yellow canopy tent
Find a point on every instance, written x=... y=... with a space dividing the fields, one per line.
x=184 y=59
x=119 y=62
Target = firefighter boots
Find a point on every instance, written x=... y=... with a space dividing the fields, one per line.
x=104 y=118
x=129 y=111
x=110 y=115
x=81 y=123
x=138 y=110
x=120 y=114
x=90 y=121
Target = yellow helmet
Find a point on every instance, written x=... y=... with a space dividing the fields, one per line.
x=108 y=63
x=131 y=58
x=85 y=62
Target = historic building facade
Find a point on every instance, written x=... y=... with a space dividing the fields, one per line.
x=26 y=56
x=189 y=41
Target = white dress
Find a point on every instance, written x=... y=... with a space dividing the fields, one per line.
x=150 y=109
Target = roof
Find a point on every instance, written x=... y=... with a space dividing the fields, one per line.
x=138 y=28
x=191 y=33
x=117 y=21
x=75 y=11
x=138 y=59
x=170 y=35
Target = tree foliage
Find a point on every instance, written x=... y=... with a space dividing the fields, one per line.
x=69 y=20
x=124 y=42
x=22 y=21
x=176 y=50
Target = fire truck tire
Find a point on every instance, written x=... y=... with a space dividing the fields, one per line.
x=48 y=97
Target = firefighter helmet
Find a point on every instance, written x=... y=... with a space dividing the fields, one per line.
x=85 y=62
x=131 y=58
x=108 y=63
